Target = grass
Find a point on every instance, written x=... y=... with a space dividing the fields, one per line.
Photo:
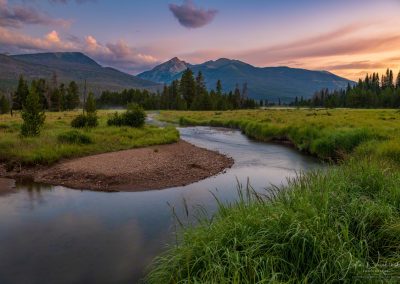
x=331 y=226
x=328 y=134
x=59 y=141
x=335 y=226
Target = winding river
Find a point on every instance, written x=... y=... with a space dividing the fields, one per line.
x=57 y=235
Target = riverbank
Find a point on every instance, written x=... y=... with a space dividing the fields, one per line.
x=148 y=168
x=334 y=225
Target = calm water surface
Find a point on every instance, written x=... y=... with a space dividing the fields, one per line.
x=57 y=235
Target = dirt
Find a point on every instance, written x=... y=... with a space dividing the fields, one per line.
x=155 y=167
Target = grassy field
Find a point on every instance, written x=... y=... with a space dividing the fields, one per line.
x=330 y=226
x=328 y=134
x=58 y=140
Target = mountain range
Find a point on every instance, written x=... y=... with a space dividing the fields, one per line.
x=68 y=66
x=272 y=83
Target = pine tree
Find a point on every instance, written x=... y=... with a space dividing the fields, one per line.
x=219 y=88
x=398 y=81
x=90 y=104
x=72 y=99
x=390 y=81
x=237 y=97
x=55 y=100
x=200 y=84
x=20 y=95
x=245 y=91
x=63 y=101
x=4 y=105
x=32 y=114
x=187 y=87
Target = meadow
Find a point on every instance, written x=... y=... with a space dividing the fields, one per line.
x=58 y=140
x=340 y=224
x=330 y=134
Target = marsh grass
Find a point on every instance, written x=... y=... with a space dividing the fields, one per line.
x=330 y=135
x=341 y=225
x=51 y=145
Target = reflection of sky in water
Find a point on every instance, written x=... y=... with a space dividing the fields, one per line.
x=58 y=235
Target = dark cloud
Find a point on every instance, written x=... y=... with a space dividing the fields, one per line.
x=191 y=16
x=17 y=16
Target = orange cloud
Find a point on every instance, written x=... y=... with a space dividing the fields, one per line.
x=53 y=37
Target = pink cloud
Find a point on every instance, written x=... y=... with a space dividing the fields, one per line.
x=118 y=54
x=16 y=16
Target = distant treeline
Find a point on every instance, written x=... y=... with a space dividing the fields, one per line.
x=53 y=96
x=189 y=93
x=372 y=92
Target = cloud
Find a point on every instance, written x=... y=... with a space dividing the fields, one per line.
x=53 y=37
x=118 y=54
x=15 y=42
x=362 y=65
x=341 y=42
x=17 y=16
x=191 y=16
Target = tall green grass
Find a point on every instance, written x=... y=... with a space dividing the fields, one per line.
x=340 y=225
x=330 y=135
x=336 y=226
x=57 y=140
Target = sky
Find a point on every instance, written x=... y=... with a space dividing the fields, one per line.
x=347 y=37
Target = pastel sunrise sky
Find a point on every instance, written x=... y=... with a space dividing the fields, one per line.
x=346 y=37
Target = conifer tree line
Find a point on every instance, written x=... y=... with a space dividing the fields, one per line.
x=52 y=96
x=372 y=92
x=188 y=93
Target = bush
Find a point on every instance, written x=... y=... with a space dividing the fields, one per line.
x=116 y=120
x=135 y=116
x=79 y=121
x=82 y=121
x=91 y=120
x=74 y=137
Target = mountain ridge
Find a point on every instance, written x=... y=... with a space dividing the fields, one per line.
x=271 y=83
x=68 y=66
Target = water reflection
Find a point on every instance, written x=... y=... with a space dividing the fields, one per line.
x=57 y=235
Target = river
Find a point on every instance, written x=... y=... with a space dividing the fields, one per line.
x=52 y=234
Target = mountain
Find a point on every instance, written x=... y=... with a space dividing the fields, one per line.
x=68 y=66
x=270 y=83
x=166 y=72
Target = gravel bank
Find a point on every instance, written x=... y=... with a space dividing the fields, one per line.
x=155 y=167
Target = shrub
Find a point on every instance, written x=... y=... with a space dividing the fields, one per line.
x=115 y=120
x=79 y=121
x=74 y=137
x=82 y=121
x=135 y=116
x=91 y=120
